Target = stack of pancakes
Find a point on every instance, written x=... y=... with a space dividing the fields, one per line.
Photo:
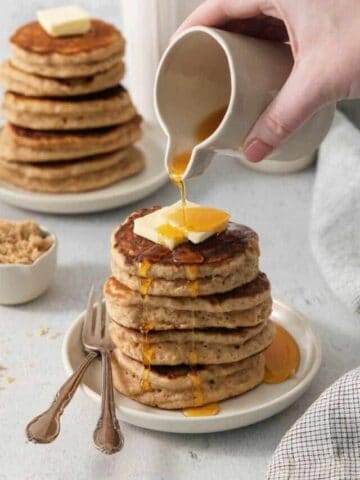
x=71 y=125
x=189 y=325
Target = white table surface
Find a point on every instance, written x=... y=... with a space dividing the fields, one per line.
x=278 y=208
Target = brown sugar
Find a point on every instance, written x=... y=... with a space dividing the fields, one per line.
x=22 y=242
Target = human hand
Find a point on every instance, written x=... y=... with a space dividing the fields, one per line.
x=325 y=42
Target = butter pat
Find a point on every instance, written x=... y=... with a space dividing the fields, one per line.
x=64 y=21
x=167 y=227
x=199 y=223
x=155 y=227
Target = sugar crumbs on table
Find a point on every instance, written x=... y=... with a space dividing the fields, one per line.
x=54 y=335
x=42 y=331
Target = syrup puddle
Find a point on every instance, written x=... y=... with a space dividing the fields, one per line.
x=204 y=411
x=282 y=357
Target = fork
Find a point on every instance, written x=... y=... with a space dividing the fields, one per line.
x=107 y=435
x=45 y=428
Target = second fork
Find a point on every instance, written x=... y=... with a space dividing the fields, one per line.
x=107 y=435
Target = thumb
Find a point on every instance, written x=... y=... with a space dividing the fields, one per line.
x=300 y=97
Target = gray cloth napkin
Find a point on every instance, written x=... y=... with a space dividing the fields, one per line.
x=335 y=219
x=324 y=444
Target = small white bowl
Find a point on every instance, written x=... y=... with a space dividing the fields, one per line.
x=21 y=283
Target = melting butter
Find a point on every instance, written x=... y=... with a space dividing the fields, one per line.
x=200 y=219
x=169 y=227
x=169 y=231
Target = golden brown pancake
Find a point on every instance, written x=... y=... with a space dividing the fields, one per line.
x=236 y=239
x=186 y=347
x=89 y=103
x=73 y=177
x=34 y=39
x=16 y=80
x=68 y=168
x=240 y=298
x=65 y=71
x=173 y=387
x=27 y=145
x=164 y=317
x=106 y=108
x=220 y=263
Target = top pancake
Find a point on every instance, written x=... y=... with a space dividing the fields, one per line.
x=235 y=249
x=101 y=41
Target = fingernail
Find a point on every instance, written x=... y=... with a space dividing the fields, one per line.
x=256 y=150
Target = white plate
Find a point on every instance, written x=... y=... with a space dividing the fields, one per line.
x=119 y=194
x=262 y=402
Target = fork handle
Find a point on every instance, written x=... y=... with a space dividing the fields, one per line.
x=46 y=427
x=107 y=435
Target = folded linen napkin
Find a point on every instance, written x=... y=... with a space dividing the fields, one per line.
x=324 y=444
x=335 y=219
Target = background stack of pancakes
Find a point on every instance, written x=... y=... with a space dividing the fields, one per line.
x=71 y=126
x=190 y=324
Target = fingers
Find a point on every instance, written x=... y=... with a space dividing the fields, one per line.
x=300 y=97
x=213 y=13
x=261 y=26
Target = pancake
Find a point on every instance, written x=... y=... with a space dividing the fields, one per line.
x=109 y=107
x=26 y=145
x=172 y=387
x=62 y=121
x=73 y=177
x=166 y=318
x=103 y=101
x=31 y=43
x=16 y=80
x=220 y=263
x=65 y=71
x=60 y=170
x=184 y=288
x=186 y=347
x=241 y=298
x=69 y=122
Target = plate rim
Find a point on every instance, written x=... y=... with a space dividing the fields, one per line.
x=284 y=400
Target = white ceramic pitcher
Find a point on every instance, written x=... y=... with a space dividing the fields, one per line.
x=205 y=69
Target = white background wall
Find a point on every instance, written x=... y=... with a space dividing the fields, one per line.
x=16 y=12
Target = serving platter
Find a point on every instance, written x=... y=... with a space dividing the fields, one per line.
x=252 y=407
x=117 y=195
